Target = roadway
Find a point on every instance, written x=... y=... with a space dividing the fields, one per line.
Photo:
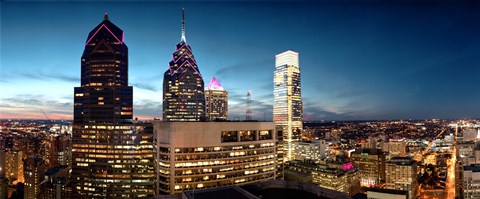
x=449 y=191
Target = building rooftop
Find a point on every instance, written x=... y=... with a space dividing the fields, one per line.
x=368 y=151
x=54 y=170
x=472 y=167
x=402 y=161
x=390 y=191
x=231 y=192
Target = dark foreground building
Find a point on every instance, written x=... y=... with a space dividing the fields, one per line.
x=111 y=156
x=183 y=86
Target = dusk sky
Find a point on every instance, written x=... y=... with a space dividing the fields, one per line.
x=358 y=61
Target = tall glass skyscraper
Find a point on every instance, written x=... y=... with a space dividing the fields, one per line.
x=287 y=99
x=183 y=86
x=111 y=156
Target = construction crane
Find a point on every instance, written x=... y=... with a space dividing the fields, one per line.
x=45 y=115
x=248 y=113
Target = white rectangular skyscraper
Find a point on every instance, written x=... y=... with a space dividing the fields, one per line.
x=287 y=107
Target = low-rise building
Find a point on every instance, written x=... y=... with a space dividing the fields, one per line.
x=312 y=150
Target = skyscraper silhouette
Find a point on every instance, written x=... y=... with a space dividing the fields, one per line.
x=111 y=156
x=183 y=86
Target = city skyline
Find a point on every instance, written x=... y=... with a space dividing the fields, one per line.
x=355 y=64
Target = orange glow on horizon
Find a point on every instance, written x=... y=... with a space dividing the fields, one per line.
x=57 y=117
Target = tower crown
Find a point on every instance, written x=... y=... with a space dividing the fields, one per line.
x=183 y=39
x=215 y=85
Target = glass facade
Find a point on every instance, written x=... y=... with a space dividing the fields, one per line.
x=287 y=98
x=111 y=156
x=183 y=86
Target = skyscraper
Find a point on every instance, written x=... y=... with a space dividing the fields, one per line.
x=287 y=100
x=216 y=99
x=111 y=156
x=183 y=86
x=34 y=178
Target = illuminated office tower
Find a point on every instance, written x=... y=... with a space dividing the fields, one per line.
x=216 y=99
x=287 y=100
x=401 y=173
x=34 y=178
x=197 y=155
x=183 y=86
x=13 y=164
x=371 y=165
x=111 y=156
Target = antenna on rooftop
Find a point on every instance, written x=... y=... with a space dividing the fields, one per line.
x=248 y=113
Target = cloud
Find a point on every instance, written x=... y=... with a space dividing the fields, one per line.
x=31 y=107
x=44 y=76
x=244 y=70
x=147 y=109
x=144 y=86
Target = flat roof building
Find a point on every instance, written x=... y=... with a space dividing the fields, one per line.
x=371 y=164
x=402 y=174
x=196 y=155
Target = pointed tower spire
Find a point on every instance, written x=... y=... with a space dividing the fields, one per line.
x=183 y=26
x=105 y=17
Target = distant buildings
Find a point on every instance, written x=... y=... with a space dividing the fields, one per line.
x=216 y=99
x=401 y=173
x=34 y=178
x=287 y=100
x=60 y=150
x=371 y=165
x=469 y=134
x=183 y=86
x=397 y=147
x=314 y=150
x=196 y=155
x=111 y=156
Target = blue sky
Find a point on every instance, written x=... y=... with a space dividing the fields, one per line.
x=359 y=60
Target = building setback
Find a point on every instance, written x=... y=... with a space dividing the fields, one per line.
x=183 y=86
x=111 y=156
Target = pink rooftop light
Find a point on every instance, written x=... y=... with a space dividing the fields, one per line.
x=215 y=85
